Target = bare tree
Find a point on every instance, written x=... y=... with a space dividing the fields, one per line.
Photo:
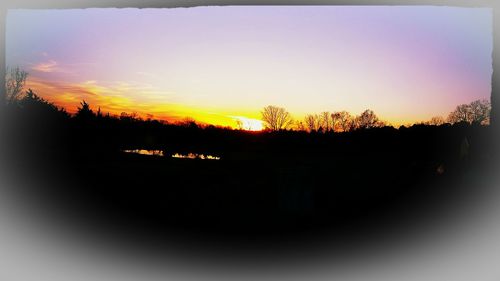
x=14 y=83
x=335 y=117
x=313 y=122
x=342 y=121
x=327 y=122
x=477 y=112
x=276 y=118
x=480 y=111
x=368 y=120
x=460 y=114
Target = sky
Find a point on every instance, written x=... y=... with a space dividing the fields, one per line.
x=223 y=64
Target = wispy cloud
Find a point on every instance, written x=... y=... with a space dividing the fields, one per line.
x=144 y=99
x=113 y=97
x=47 y=64
x=47 y=67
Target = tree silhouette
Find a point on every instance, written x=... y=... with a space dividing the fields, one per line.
x=368 y=120
x=276 y=118
x=99 y=113
x=480 y=111
x=188 y=122
x=32 y=97
x=460 y=114
x=39 y=106
x=477 y=112
x=327 y=122
x=313 y=122
x=84 y=112
x=342 y=120
x=14 y=83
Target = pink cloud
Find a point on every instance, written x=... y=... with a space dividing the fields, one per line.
x=48 y=67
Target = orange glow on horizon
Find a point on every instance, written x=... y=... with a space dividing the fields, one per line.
x=115 y=101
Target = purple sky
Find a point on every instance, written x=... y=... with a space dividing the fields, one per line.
x=214 y=63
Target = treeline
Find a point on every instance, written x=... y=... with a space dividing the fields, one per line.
x=274 y=118
x=278 y=118
x=37 y=119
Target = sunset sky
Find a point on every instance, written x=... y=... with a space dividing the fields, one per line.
x=221 y=64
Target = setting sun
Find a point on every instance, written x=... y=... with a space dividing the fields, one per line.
x=249 y=124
